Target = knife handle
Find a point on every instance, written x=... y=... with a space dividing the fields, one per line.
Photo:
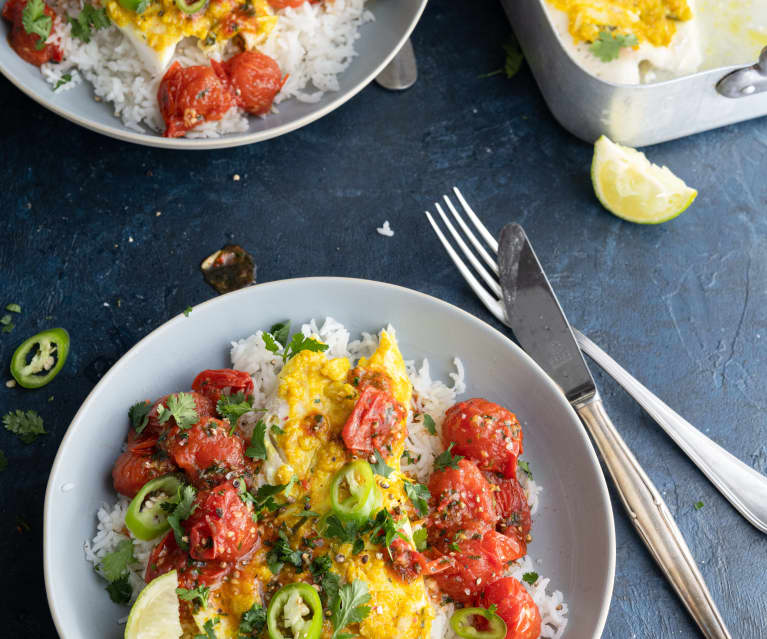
x=652 y=519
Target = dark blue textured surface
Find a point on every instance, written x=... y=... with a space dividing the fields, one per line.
x=681 y=305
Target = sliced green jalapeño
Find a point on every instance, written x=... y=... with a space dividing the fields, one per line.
x=40 y=358
x=295 y=612
x=462 y=625
x=354 y=495
x=146 y=517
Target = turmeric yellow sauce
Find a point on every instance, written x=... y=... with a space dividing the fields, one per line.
x=162 y=24
x=317 y=394
x=653 y=21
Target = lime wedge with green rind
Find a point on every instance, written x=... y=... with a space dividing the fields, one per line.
x=155 y=614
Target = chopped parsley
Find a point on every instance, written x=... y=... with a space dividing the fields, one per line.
x=349 y=607
x=253 y=620
x=524 y=466
x=380 y=467
x=281 y=331
x=188 y=311
x=139 y=415
x=328 y=581
x=90 y=19
x=446 y=459
x=264 y=498
x=429 y=423
x=13 y=308
x=27 y=425
x=530 y=578
x=419 y=495
x=210 y=633
x=281 y=554
x=277 y=430
x=257 y=447
x=299 y=342
x=183 y=508
x=36 y=21
x=114 y=568
x=182 y=408
x=232 y=407
x=64 y=79
x=197 y=595
x=383 y=529
x=607 y=46
x=698 y=505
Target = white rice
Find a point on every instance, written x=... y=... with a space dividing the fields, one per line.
x=385 y=229
x=432 y=397
x=312 y=43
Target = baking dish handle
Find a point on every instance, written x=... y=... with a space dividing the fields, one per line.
x=747 y=81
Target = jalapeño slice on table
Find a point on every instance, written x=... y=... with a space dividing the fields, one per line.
x=295 y=612
x=354 y=495
x=40 y=358
x=462 y=624
x=147 y=516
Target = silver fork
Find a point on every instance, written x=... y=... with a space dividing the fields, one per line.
x=741 y=485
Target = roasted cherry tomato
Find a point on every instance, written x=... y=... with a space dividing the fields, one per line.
x=39 y=358
x=30 y=47
x=206 y=451
x=479 y=559
x=485 y=433
x=515 y=606
x=463 y=622
x=407 y=562
x=375 y=422
x=146 y=517
x=460 y=497
x=139 y=464
x=167 y=556
x=294 y=611
x=221 y=528
x=226 y=381
x=204 y=407
x=281 y=4
x=189 y=96
x=254 y=79
x=513 y=509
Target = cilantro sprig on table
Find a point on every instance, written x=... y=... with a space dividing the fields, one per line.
x=512 y=63
x=607 y=46
x=277 y=338
x=27 y=425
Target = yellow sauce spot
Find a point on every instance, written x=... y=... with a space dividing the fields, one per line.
x=652 y=21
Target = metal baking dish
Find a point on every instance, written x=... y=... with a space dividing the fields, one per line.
x=636 y=115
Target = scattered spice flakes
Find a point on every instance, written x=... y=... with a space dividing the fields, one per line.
x=229 y=269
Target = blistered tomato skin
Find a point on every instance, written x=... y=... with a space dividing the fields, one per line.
x=486 y=433
x=513 y=510
x=26 y=44
x=375 y=422
x=167 y=556
x=137 y=465
x=253 y=79
x=226 y=381
x=189 y=96
x=206 y=451
x=515 y=606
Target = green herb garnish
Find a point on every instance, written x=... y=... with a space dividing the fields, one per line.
x=184 y=507
x=257 y=448
x=182 y=408
x=27 y=425
x=198 y=595
x=36 y=22
x=607 y=46
x=253 y=620
x=139 y=415
x=349 y=607
x=524 y=466
x=419 y=495
x=446 y=459
x=530 y=577
x=380 y=467
x=90 y=19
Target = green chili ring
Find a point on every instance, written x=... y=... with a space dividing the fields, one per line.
x=42 y=367
x=462 y=626
x=286 y=600
x=190 y=7
x=146 y=518
x=363 y=492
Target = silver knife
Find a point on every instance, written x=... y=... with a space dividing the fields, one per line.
x=541 y=328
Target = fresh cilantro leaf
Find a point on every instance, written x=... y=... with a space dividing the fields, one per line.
x=429 y=423
x=264 y=498
x=300 y=342
x=513 y=61
x=27 y=425
x=90 y=19
x=419 y=495
x=5 y=319
x=184 y=507
x=271 y=344
x=3 y=461
x=139 y=415
x=188 y=311
x=182 y=408
x=13 y=308
x=257 y=448
x=281 y=331
x=277 y=430
x=383 y=529
x=337 y=529
x=115 y=564
x=608 y=45
x=328 y=581
x=8 y=328
x=199 y=595
x=698 y=505
x=253 y=620
x=380 y=467
x=281 y=554
x=65 y=78
x=210 y=633
x=446 y=459
x=320 y=566
x=232 y=407
x=349 y=608
x=419 y=539
x=524 y=466
x=120 y=590
x=36 y=22
x=530 y=577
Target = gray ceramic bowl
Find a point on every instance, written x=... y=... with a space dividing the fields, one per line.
x=573 y=531
x=379 y=41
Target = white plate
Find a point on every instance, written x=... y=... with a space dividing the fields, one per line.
x=573 y=531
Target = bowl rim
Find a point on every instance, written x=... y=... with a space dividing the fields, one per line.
x=473 y=320
x=119 y=131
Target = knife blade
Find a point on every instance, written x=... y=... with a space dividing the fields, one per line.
x=541 y=328
x=536 y=317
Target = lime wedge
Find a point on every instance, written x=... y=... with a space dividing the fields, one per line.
x=155 y=614
x=633 y=188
